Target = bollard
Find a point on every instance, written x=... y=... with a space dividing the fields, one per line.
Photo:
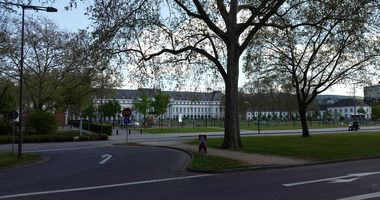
x=117 y=132
x=129 y=131
x=141 y=131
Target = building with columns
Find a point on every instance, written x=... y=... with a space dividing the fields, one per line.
x=188 y=105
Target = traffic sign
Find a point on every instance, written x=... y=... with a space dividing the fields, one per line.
x=127 y=120
x=202 y=144
x=127 y=112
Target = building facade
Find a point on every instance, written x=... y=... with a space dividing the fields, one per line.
x=186 y=105
x=349 y=109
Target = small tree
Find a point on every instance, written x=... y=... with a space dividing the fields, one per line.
x=160 y=104
x=110 y=109
x=376 y=112
x=41 y=122
x=142 y=105
x=361 y=111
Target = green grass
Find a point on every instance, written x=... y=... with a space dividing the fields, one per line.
x=11 y=159
x=181 y=130
x=215 y=162
x=315 y=148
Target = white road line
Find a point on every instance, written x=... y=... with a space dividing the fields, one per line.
x=101 y=186
x=107 y=157
x=340 y=179
x=363 y=196
x=66 y=149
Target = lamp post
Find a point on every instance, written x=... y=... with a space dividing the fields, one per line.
x=101 y=101
x=24 y=7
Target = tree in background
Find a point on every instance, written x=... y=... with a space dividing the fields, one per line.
x=110 y=108
x=142 y=105
x=160 y=105
x=8 y=98
x=376 y=111
x=338 y=43
x=165 y=39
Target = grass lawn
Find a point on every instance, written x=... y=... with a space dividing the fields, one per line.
x=215 y=162
x=316 y=147
x=10 y=159
x=181 y=130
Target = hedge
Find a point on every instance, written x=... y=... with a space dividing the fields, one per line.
x=94 y=127
x=4 y=139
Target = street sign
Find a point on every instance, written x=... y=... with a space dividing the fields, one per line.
x=127 y=120
x=127 y=112
x=202 y=144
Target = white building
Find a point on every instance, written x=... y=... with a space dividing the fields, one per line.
x=188 y=105
x=348 y=109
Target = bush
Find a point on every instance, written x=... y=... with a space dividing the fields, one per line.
x=91 y=137
x=95 y=127
x=41 y=122
x=5 y=128
x=60 y=137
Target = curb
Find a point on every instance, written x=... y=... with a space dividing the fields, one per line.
x=262 y=167
x=28 y=164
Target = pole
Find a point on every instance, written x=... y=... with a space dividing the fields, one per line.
x=20 y=94
x=13 y=136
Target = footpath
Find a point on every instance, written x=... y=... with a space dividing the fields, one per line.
x=179 y=140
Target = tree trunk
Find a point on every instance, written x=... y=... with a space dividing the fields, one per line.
x=231 y=114
x=305 y=128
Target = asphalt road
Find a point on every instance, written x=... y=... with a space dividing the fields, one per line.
x=119 y=172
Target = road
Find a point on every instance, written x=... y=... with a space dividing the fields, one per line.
x=119 y=172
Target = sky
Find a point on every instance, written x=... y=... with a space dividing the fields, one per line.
x=75 y=19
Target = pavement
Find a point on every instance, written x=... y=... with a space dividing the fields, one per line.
x=178 y=141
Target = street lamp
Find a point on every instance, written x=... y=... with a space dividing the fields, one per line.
x=24 y=7
x=101 y=101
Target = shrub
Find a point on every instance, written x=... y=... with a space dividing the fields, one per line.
x=5 y=128
x=41 y=122
x=91 y=137
x=95 y=127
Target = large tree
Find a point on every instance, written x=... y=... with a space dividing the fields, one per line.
x=174 y=36
x=337 y=43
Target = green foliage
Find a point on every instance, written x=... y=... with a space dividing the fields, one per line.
x=97 y=128
x=8 y=96
x=215 y=162
x=58 y=137
x=160 y=103
x=142 y=104
x=110 y=109
x=92 y=137
x=376 y=111
x=5 y=128
x=361 y=111
x=9 y=159
x=317 y=147
x=40 y=122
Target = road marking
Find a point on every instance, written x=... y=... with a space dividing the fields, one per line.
x=66 y=149
x=363 y=196
x=106 y=158
x=340 y=179
x=102 y=186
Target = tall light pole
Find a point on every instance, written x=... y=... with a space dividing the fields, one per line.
x=101 y=101
x=24 y=7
